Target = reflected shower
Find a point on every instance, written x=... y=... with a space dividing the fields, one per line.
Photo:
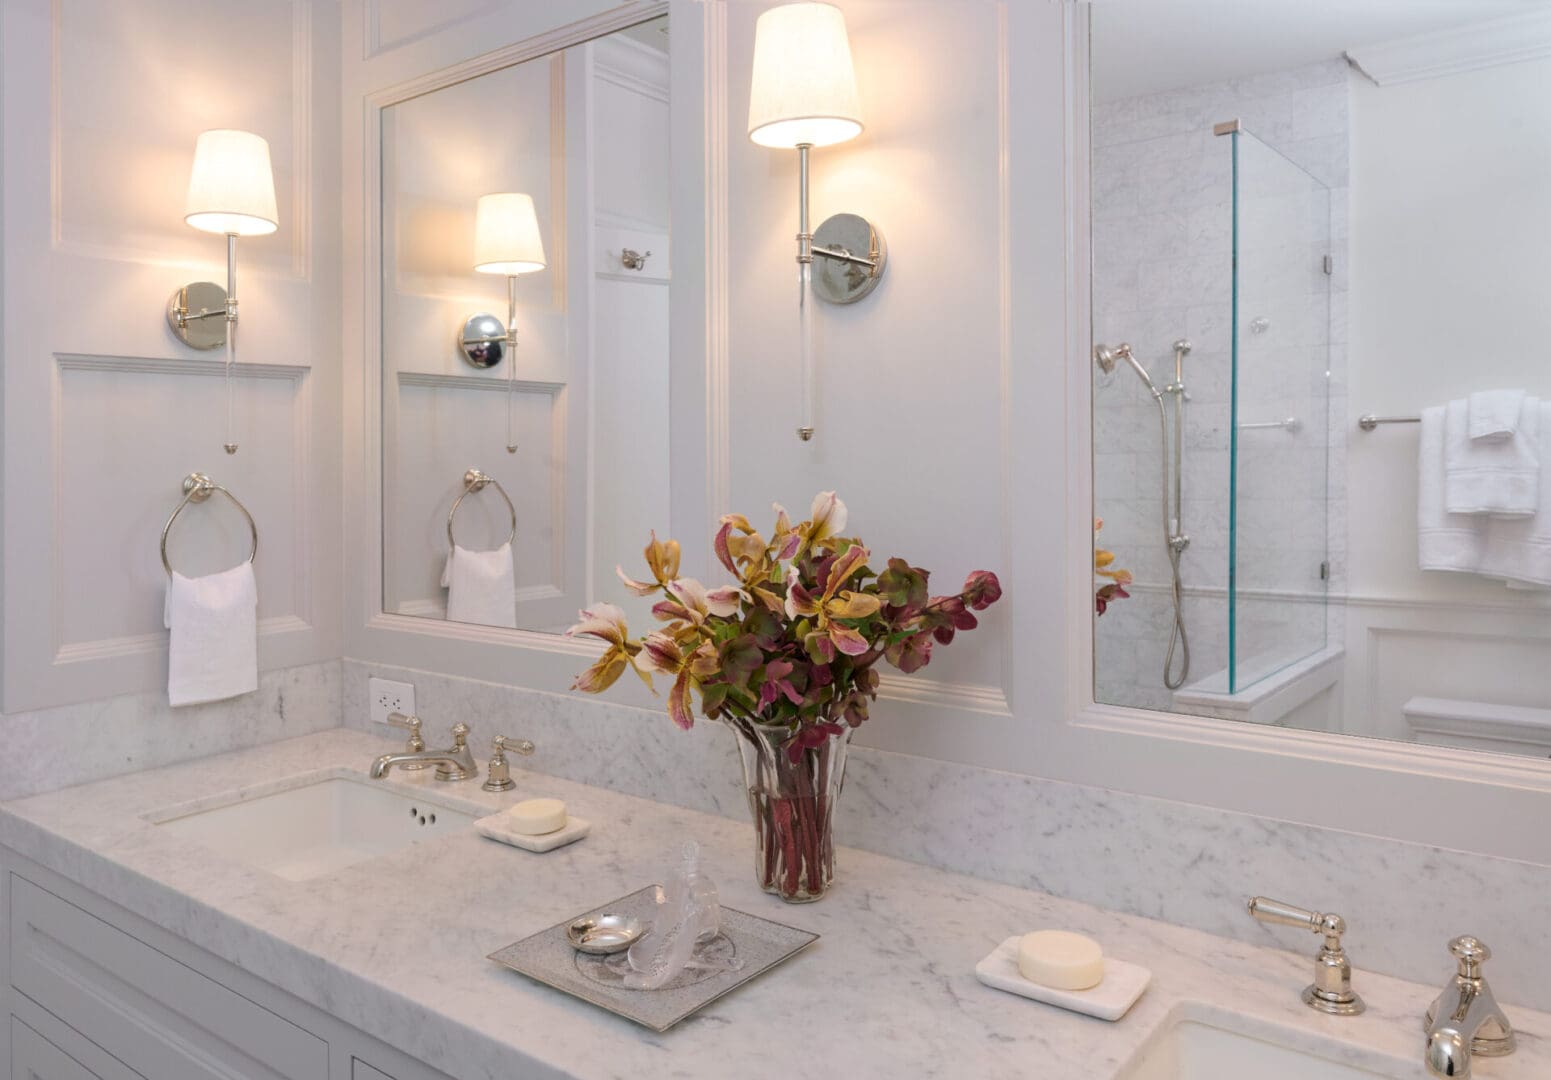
x=1171 y=467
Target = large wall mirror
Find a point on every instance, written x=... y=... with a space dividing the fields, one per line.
x=525 y=284
x=1321 y=391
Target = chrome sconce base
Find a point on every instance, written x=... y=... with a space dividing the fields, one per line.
x=850 y=257
x=196 y=315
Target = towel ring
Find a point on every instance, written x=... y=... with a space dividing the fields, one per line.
x=197 y=487
x=475 y=480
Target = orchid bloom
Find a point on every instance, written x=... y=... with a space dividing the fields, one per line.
x=827 y=518
x=738 y=542
x=835 y=603
x=663 y=561
x=662 y=652
x=1102 y=561
x=607 y=623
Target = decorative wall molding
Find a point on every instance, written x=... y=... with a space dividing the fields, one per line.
x=633 y=66
x=426 y=380
x=1453 y=52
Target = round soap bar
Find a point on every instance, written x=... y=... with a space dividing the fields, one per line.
x=535 y=817
x=1061 y=960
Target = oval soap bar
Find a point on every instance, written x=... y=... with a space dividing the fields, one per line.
x=535 y=817
x=1061 y=960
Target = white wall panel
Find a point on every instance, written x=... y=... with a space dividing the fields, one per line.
x=105 y=411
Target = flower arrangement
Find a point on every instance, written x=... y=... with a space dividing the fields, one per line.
x=1103 y=566
x=787 y=657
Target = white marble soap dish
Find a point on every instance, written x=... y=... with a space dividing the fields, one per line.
x=498 y=827
x=1110 y=1000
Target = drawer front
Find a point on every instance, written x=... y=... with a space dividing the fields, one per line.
x=35 y=1058
x=160 y=1017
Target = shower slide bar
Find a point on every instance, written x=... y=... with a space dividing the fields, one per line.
x=1369 y=422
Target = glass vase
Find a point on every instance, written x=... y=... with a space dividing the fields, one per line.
x=793 y=805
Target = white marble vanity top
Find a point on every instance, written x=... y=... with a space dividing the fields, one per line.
x=396 y=945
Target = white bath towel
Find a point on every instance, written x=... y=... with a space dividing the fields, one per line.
x=213 y=649
x=1500 y=477
x=1513 y=550
x=1494 y=414
x=481 y=586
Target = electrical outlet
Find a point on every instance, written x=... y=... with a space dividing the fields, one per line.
x=387 y=696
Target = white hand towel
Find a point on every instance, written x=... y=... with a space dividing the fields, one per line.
x=1494 y=414
x=1500 y=477
x=1518 y=550
x=213 y=649
x=1449 y=542
x=481 y=586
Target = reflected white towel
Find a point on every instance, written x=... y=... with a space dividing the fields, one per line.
x=1515 y=550
x=1494 y=414
x=1491 y=476
x=481 y=586
x=213 y=648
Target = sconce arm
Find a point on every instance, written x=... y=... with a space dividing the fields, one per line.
x=841 y=255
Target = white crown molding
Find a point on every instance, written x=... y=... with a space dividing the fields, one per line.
x=1452 y=52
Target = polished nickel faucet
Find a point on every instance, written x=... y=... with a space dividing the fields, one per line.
x=456 y=763
x=1465 y=1020
x=1331 y=991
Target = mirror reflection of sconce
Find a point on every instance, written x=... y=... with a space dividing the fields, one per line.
x=231 y=191
x=506 y=241
x=803 y=95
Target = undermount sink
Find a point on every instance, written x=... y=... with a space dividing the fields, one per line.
x=315 y=828
x=1190 y=1049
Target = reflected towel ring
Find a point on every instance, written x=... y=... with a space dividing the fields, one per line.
x=475 y=480
x=197 y=487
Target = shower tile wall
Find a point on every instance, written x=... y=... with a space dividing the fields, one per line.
x=1162 y=257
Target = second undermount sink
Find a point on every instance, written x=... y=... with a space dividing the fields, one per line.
x=315 y=828
x=1190 y=1049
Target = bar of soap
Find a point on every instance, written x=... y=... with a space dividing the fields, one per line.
x=1061 y=960
x=535 y=817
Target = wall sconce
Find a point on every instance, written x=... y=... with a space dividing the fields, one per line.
x=803 y=95
x=231 y=190
x=506 y=241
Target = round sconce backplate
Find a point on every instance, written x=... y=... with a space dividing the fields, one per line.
x=196 y=314
x=483 y=341
x=842 y=282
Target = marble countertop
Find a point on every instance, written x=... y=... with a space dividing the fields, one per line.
x=396 y=945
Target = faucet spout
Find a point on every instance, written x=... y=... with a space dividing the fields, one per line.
x=1466 y=1020
x=456 y=763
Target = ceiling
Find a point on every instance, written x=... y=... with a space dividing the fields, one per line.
x=1144 y=46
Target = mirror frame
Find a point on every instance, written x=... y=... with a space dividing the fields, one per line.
x=536 y=660
x=1445 y=796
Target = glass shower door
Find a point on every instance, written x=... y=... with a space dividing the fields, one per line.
x=1278 y=508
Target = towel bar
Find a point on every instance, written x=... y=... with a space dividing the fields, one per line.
x=1369 y=422
x=475 y=480
x=197 y=487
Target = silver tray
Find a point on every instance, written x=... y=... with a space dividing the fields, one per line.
x=549 y=958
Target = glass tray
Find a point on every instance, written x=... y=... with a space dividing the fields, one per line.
x=548 y=957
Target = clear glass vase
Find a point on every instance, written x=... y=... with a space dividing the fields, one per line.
x=793 y=805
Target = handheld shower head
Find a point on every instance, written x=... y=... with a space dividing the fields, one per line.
x=1106 y=356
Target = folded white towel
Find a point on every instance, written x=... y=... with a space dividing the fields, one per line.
x=1514 y=550
x=481 y=586
x=1492 y=476
x=1494 y=414
x=213 y=649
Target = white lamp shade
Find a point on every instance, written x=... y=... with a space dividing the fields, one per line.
x=506 y=235
x=232 y=187
x=804 y=86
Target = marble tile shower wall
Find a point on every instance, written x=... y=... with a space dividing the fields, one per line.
x=1184 y=864
x=76 y=744
x=1162 y=253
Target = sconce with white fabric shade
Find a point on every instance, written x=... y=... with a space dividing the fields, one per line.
x=507 y=241
x=802 y=95
x=231 y=191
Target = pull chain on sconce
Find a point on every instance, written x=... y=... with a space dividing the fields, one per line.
x=231 y=191
x=804 y=96
x=506 y=241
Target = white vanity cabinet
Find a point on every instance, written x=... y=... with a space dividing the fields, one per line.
x=95 y=992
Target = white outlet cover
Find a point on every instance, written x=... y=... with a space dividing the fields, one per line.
x=384 y=697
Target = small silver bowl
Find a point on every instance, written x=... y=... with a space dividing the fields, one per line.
x=603 y=935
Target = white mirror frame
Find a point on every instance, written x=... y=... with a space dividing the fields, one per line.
x=535 y=660
x=1480 y=802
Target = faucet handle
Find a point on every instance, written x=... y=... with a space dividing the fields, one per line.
x=460 y=735
x=498 y=776
x=400 y=720
x=1471 y=952
x=1331 y=991
x=414 y=744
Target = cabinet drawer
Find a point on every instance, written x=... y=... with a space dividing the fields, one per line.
x=160 y=1017
x=35 y=1058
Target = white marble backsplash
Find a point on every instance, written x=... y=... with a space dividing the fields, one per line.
x=76 y=744
x=1184 y=864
